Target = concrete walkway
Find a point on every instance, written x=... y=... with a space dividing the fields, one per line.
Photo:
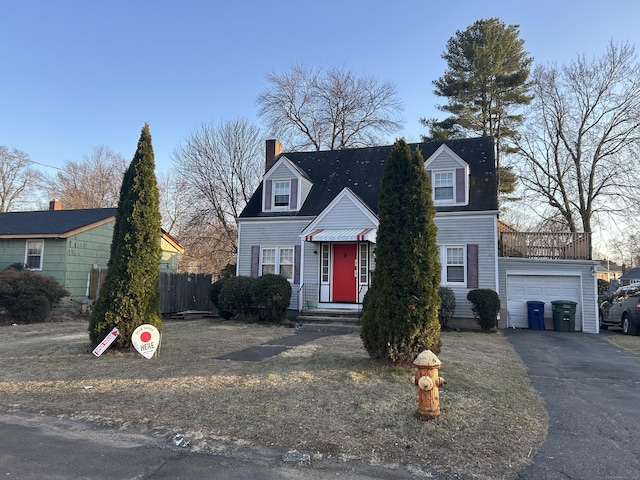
x=270 y=349
x=592 y=393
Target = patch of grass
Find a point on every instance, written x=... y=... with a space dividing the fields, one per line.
x=628 y=342
x=326 y=398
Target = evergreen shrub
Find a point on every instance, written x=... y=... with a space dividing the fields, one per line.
x=29 y=297
x=447 y=306
x=271 y=295
x=485 y=304
x=214 y=296
x=235 y=297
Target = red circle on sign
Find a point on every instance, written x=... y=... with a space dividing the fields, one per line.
x=145 y=337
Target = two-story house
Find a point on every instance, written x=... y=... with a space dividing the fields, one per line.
x=313 y=219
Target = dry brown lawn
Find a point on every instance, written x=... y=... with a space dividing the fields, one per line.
x=325 y=398
x=628 y=342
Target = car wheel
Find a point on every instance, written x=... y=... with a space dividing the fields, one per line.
x=625 y=324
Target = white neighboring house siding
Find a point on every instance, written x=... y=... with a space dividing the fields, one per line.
x=471 y=228
x=268 y=232
x=541 y=267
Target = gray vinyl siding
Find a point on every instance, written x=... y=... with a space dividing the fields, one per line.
x=311 y=269
x=305 y=187
x=345 y=214
x=444 y=161
x=471 y=229
x=533 y=266
x=281 y=172
x=269 y=233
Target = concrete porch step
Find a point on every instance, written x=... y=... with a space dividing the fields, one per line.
x=329 y=320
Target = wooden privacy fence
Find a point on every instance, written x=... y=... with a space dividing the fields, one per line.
x=179 y=292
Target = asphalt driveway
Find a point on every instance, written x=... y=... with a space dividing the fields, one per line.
x=592 y=393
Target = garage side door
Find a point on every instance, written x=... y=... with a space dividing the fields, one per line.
x=544 y=288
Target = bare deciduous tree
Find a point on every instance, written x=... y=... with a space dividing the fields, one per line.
x=329 y=109
x=579 y=148
x=93 y=182
x=174 y=202
x=218 y=168
x=17 y=178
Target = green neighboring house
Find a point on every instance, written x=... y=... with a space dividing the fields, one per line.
x=68 y=244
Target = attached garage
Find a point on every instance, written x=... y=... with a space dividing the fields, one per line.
x=523 y=280
x=542 y=288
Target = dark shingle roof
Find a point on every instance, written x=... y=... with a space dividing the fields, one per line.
x=632 y=274
x=360 y=169
x=51 y=222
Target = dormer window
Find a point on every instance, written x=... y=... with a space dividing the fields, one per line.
x=281 y=194
x=443 y=186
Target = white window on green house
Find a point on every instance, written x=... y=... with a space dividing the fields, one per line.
x=443 y=186
x=33 y=255
x=455 y=265
x=281 y=194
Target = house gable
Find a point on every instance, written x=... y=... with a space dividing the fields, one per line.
x=449 y=176
x=285 y=187
x=345 y=215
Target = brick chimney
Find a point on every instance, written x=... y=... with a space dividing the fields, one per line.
x=55 y=204
x=274 y=148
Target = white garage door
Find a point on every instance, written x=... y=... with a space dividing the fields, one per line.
x=543 y=288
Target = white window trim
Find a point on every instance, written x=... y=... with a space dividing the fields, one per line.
x=446 y=201
x=325 y=249
x=443 y=263
x=273 y=195
x=26 y=253
x=278 y=249
x=363 y=261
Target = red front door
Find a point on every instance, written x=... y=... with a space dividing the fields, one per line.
x=344 y=272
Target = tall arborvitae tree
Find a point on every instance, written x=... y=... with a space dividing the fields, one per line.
x=130 y=295
x=401 y=316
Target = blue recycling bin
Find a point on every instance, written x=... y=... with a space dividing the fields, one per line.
x=535 y=314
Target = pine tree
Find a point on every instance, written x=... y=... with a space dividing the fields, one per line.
x=401 y=316
x=130 y=295
x=486 y=81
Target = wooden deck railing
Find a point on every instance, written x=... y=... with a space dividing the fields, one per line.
x=575 y=246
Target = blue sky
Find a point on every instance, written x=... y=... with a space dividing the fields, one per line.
x=78 y=74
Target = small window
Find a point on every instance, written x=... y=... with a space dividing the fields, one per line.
x=364 y=264
x=281 y=194
x=33 y=256
x=455 y=265
x=268 y=261
x=443 y=186
x=278 y=261
x=286 y=263
x=325 y=262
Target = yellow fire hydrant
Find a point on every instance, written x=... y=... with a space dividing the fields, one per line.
x=428 y=384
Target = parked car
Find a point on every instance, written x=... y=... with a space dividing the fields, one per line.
x=622 y=309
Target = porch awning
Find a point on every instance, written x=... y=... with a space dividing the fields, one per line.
x=342 y=235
